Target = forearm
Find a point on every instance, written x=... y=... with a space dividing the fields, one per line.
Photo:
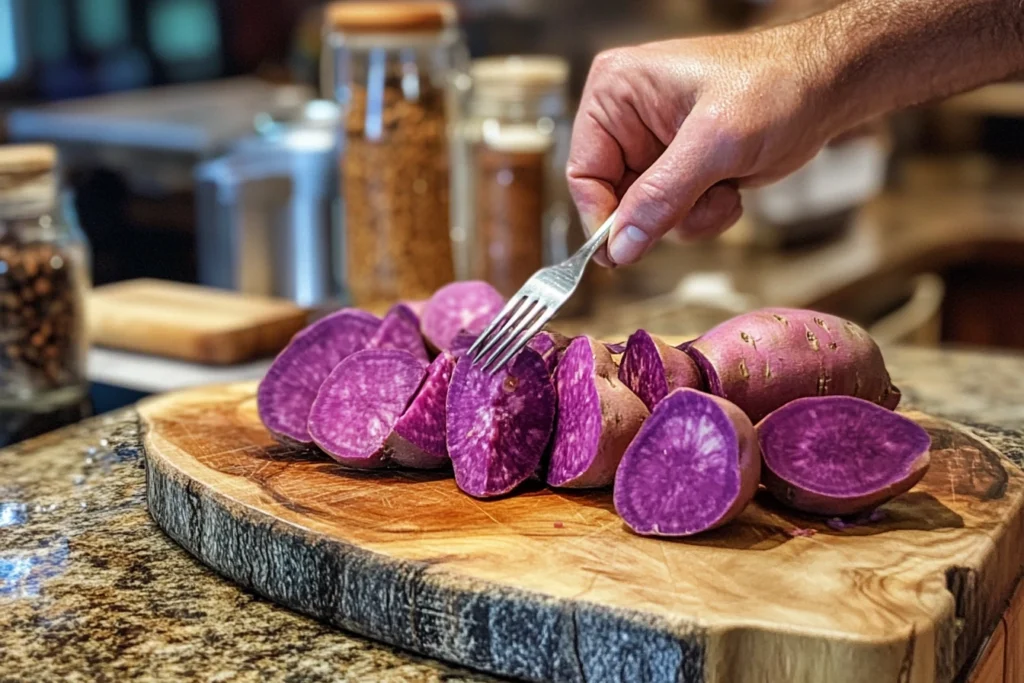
x=877 y=56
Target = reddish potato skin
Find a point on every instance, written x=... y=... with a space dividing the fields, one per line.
x=766 y=358
x=620 y=413
x=801 y=497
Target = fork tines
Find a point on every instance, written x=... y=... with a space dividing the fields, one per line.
x=519 y=321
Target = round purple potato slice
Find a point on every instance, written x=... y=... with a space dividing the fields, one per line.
x=400 y=330
x=693 y=466
x=600 y=418
x=459 y=307
x=359 y=404
x=287 y=392
x=840 y=455
x=651 y=368
x=418 y=438
x=499 y=426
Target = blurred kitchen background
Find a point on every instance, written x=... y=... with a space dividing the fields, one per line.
x=199 y=143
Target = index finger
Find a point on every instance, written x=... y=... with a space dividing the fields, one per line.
x=595 y=167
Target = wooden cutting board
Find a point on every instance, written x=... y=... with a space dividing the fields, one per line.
x=551 y=586
x=190 y=322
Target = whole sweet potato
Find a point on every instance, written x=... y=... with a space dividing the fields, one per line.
x=766 y=358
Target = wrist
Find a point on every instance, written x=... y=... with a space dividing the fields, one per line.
x=885 y=55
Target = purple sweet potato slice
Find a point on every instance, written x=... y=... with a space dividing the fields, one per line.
x=499 y=426
x=418 y=438
x=600 y=417
x=616 y=348
x=417 y=306
x=693 y=466
x=839 y=455
x=550 y=345
x=461 y=344
x=766 y=358
x=400 y=330
x=547 y=343
x=287 y=392
x=651 y=368
x=459 y=307
x=360 y=402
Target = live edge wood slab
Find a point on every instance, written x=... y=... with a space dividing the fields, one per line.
x=551 y=586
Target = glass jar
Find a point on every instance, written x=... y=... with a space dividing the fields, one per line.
x=515 y=200
x=392 y=69
x=44 y=278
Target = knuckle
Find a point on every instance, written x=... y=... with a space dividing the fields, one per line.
x=610 y=62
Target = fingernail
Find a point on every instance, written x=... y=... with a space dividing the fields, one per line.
x=628 y=244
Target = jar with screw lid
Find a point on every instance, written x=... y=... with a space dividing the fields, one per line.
x=44 y=277
x=392 y=67
x=515 y=200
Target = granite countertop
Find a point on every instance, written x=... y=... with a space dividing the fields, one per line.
x=90 y=588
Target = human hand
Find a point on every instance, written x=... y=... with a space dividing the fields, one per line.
x=669 y=132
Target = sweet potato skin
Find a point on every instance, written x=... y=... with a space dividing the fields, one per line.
x=766 y=358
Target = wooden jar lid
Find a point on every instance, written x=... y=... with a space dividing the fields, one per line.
x=532 y=71
x=27 y=159
x=390 y=17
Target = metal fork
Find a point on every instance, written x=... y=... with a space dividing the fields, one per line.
x=533 y=305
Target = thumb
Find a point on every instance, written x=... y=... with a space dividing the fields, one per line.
x=664 y=195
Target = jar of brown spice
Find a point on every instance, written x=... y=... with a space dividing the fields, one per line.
x=44 y=265
x=393 y=68
x=516 y=200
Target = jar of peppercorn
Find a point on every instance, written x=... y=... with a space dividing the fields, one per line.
x=43 y=284
x=393 y=67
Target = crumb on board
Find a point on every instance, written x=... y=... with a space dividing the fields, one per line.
x=559 y=525
x=807 y=533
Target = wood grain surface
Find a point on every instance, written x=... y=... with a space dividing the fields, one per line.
x=550 y=585
x=190 y=322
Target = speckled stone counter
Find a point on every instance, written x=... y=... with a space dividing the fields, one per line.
x=90 y=589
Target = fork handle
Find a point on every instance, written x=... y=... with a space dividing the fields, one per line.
x=590 y=247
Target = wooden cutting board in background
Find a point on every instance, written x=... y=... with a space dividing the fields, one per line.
x=550 y=586
x=189 y=322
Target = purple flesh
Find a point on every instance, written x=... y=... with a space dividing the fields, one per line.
x=499 y=426
x=840 y=455
x=461 y=344
x=616 y=348
x=400 y=330
x=290 y=386
x=360 y=402
x=459 y=307
x=418 y=439
x=550 y=346
x=693 y=466
x=602 y=418
x=417 y=306
x=651 y=368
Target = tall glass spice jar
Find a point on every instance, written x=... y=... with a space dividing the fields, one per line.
x=392 y=69
x=44 y=277
x=515 y=200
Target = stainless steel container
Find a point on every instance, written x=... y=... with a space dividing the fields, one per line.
x=267 y=211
